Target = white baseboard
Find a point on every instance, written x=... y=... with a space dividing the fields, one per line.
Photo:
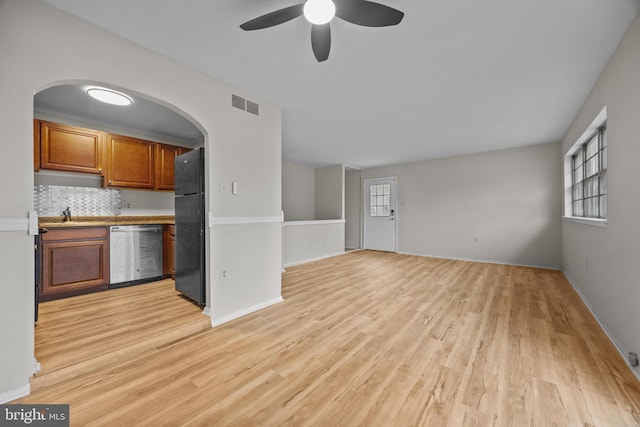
x=486 y=261
x=614 y=341
x=8 y=396
x=244 y=312
x=291 y=264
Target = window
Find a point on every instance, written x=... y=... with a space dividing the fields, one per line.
x=589 y=176
x=380 y=199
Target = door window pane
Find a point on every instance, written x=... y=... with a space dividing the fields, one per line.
x=380 y=200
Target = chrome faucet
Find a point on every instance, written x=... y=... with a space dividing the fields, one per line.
x=67 y=214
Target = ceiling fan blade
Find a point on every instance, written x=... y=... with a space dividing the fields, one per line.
x=321 y=41
x=367 y=13
x=274 y=18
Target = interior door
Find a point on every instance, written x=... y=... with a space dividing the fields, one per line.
x=380 y=214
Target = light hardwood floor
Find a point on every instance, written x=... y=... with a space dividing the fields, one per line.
x=367 y=338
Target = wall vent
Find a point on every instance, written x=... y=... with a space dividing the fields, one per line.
x=253 y=108
x=245 y=105
x=238 y=102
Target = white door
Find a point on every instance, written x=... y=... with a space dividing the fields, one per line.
x=380 y=214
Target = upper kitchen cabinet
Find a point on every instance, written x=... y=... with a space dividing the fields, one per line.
x=130 y=162
x=68 y=148
x=165 y=157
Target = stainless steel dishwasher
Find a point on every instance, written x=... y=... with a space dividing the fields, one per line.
x=136 y=254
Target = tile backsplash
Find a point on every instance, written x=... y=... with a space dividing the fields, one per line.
x=51 y=200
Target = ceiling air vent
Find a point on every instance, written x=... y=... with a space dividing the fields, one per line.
x=253 y=108
x=238 y=102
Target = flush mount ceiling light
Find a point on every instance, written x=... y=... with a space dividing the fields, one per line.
x=321 y=12
x=109 y=96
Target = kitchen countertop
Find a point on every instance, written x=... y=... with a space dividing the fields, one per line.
x=99 y=221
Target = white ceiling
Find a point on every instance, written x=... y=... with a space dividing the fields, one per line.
x=455 y=77
x=142 y=117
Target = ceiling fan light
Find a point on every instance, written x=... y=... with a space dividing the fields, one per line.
x=109 y=96
x=319 y=12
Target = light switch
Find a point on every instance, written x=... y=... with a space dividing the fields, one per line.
x=234 y=188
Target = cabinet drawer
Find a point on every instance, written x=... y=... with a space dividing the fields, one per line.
x=79 y=233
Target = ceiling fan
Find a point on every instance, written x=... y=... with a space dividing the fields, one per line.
x=321 y=12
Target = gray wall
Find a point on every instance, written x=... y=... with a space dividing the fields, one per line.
x=298 y=192
x=240 y=147
x=510 y=199
x=330 y=192
x=352 y=208
x=603 y=262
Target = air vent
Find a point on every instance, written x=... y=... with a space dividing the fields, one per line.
x=238 y=102
x=253 y=108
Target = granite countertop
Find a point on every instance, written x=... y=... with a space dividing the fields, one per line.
x=97 y=221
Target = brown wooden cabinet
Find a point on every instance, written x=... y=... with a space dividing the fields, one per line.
x=165 y=157
x=169 y=251
x=74 y=261
x=130 y=162
x=69 y=148
x=125 y=162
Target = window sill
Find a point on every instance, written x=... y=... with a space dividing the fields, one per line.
x=594 y=222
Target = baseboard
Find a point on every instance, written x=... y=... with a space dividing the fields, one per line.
x=606 y=330
x=8 y=396
x=304 y=261
x=485 y=261
x=244 y=312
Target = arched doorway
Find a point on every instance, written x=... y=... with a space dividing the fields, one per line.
x=148 y=120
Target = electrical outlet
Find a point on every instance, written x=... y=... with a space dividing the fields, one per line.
x=223 y=274
x=633 y=359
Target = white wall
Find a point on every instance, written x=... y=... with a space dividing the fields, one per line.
x=41 y=47
x=298 y=192
x=140 y=202
x=603 y=263
x=330 y=192
x=311 y=241
x=352 y=208
x=510 y=199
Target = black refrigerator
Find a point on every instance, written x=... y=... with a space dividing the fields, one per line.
x=190 y=225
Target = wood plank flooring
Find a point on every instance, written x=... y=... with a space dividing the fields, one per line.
x=366 y=338
x=75 y=336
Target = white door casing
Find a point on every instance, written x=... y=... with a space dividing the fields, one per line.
x=380 y=218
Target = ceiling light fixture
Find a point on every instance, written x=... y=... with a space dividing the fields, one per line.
x=109 y=96
x=319 y=12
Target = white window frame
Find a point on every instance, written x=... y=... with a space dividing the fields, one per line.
x=593 y=129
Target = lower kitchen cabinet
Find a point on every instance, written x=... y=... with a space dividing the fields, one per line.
x=169 y=251
x=74 y=261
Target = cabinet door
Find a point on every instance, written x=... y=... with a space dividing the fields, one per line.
x=77 y=263
x=168 y=251
x=70 y=148
x=36 y=145
x=165 y=156
x=130 y=162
